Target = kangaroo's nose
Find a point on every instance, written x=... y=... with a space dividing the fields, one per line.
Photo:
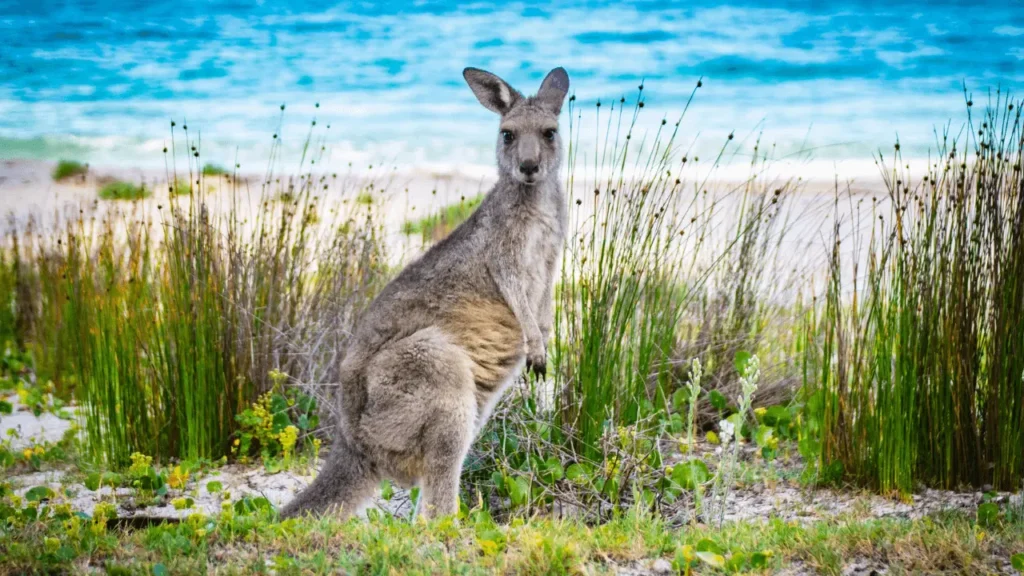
x=529 y=167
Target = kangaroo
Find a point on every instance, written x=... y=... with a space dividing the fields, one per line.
x=436 y=348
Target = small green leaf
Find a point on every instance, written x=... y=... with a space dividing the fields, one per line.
x=764 y=435
x=737 y=562
x=707 y=545
x=159 y=570
x=675 y=423
x=712 y=559
x=611 y=487
x=92 y=481
x=281 y=421
x=776 y=416
x=690 y=474
x=39 y=493
x=809 y=447
x=718 y=400
x=518 y=490
x=1017 y=561
x=387 y=490
x=577 y=473
x=680 y=399
x=306 y=404
x=759 y=560
x=740 y=361
x=278 y=404
x=6 y=407
x=553 y=471
x=988 y=514
x=262 y=503
x=214 y=486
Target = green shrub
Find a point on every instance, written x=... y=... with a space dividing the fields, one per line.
x=69 y=168
x=214 y=170
x=120 y=190
x=434 y=227
x=180 y=187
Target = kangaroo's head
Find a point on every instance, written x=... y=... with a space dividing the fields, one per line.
x=529 y=146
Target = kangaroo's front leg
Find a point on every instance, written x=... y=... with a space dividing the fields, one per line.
x=505 y=268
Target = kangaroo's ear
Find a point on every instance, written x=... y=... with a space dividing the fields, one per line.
x=553 y=89
x=493 y=92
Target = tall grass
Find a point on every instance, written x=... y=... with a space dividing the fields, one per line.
x=641 y=275
x=164 y=320
x=921 y=369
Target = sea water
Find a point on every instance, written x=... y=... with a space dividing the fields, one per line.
x=833 y=80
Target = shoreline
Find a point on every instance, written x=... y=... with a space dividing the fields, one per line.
x=28 y=193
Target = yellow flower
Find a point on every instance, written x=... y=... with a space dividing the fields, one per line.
x=236 y=442
x=712 y=438
x=177 y=478
x=488 y=547
x=288 y=437
x=140 y=464
x=27 y=453
x=688 y=554
x=760 y=411
x=39 y=451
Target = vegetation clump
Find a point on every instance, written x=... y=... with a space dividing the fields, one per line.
x=434 y=227
x=67 y=169
x=121 y=190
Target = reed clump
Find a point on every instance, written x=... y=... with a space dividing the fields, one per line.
x=920 y=373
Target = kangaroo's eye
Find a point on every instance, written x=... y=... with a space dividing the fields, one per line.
x=549 y=134
x=507 y=136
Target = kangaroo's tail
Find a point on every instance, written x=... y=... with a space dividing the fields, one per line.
x=343 y=484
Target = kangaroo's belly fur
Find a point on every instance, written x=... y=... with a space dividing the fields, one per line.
x=492 y=338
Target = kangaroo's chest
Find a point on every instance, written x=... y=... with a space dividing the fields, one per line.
x=542 y=247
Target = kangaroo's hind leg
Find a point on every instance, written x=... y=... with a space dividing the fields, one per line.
x=420 y=414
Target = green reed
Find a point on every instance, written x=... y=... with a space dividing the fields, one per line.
x=922 y=369
x=163 y=319
x=636 y=275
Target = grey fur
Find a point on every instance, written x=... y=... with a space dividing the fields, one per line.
x=435 y=350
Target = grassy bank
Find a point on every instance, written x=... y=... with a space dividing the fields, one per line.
x=251 y=541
